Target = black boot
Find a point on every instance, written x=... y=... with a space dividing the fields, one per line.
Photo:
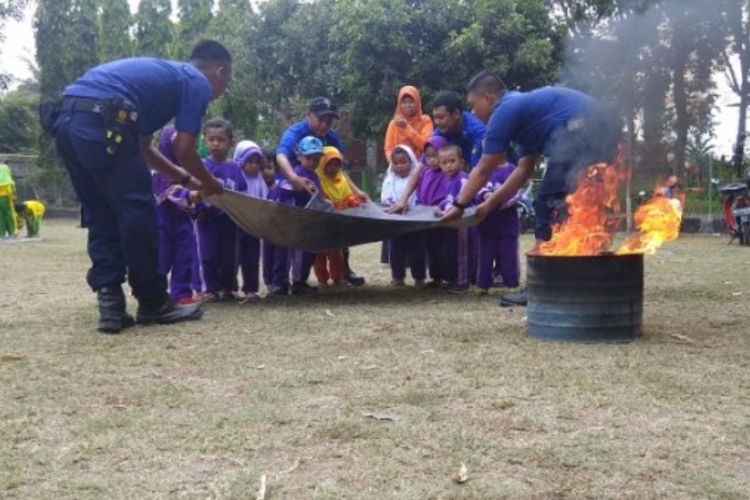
x=520 y=299
x=166 y=312
x=112 y=315
x=349 y=275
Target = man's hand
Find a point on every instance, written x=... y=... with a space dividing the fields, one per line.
x=400 y=207
x=211 y=186
x=484 y=209
x=301 y=184
x=453 y=213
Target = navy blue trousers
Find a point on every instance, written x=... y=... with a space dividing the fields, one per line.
x=119 y=207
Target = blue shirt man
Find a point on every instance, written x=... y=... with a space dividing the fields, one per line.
x=159 y=90
x=103 y=134
x=318 y=122
x=458 y=126
x=568 y=127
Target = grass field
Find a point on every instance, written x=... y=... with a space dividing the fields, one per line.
x=287 y=389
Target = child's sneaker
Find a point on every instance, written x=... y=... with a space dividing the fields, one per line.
x=251 y=298
x=227 y=296
x=207 y=297
x=433 y=285
x=302 y=288
x=278 y=291
x=457 y=289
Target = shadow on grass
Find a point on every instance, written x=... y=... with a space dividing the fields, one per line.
x=368 y=296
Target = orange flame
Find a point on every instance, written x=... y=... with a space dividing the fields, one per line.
x=657 y=221
x=590 y=223
x=594 y=215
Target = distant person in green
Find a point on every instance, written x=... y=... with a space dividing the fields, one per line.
x=7 y=197
x=31 y=212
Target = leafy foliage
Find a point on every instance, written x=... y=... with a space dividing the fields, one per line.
x=154 y=31
x=116 y=21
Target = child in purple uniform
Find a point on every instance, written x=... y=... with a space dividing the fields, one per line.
x=309 y=152
x=174 y=205
x=217 y=234
x=412 y=246
x=498 y=234
x=457 y=243
x=431 y=191
x=249 y=157
x=267 y=250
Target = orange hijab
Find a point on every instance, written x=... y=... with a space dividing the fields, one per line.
x=418 y=130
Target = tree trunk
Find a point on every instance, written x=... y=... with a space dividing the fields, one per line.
x=682 y=49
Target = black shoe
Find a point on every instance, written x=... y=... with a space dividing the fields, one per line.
x=302 y=288
x=168 y=313
x=278 y=291
x=515 y=299
x=112 y=315
x=352 y=278
x=458 y=289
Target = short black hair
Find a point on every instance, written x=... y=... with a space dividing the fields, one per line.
x=270 y=156
x=19 y=207
x=450 y=101
x=486 y=82
x=452 y=147
x=224 y=125
x=208 y=53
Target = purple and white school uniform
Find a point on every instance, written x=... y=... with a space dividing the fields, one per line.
x=249 y=257
x=409 y=246
x=498 y=235
x=268 y=251
x=217 y=235
x=301 y=262
x=460 y=244
x=175 y=228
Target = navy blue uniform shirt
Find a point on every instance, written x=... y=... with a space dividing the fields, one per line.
x=299 y=131
x=160 y=91
x=528 y=118
x=469 y=140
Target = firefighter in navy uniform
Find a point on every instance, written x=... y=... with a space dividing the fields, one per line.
x=103 y=131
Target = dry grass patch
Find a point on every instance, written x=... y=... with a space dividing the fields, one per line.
x=289 y=387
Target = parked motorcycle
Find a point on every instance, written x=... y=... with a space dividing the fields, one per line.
x=737 y=211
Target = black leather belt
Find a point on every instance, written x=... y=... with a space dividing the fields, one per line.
x=81 y=104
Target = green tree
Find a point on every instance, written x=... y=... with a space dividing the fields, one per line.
x=234 y=26
x=154 y=32
x=9 y=9
x=54 y=55
x=195 y=18
x=115 y=30
x=84 y=36
x=18 y=124
x=735 y=59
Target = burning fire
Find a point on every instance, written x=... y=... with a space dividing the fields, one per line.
x=657 y=221
x=594 y=215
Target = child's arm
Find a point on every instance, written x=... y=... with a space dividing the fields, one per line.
x=401 y=206
x=361 y=195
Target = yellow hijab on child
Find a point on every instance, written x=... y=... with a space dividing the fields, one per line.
x=337 y=188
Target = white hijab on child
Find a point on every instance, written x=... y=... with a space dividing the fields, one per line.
x=256 y=186
x=395 y=186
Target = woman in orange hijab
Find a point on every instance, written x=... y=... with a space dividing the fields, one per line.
x=409 y=126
